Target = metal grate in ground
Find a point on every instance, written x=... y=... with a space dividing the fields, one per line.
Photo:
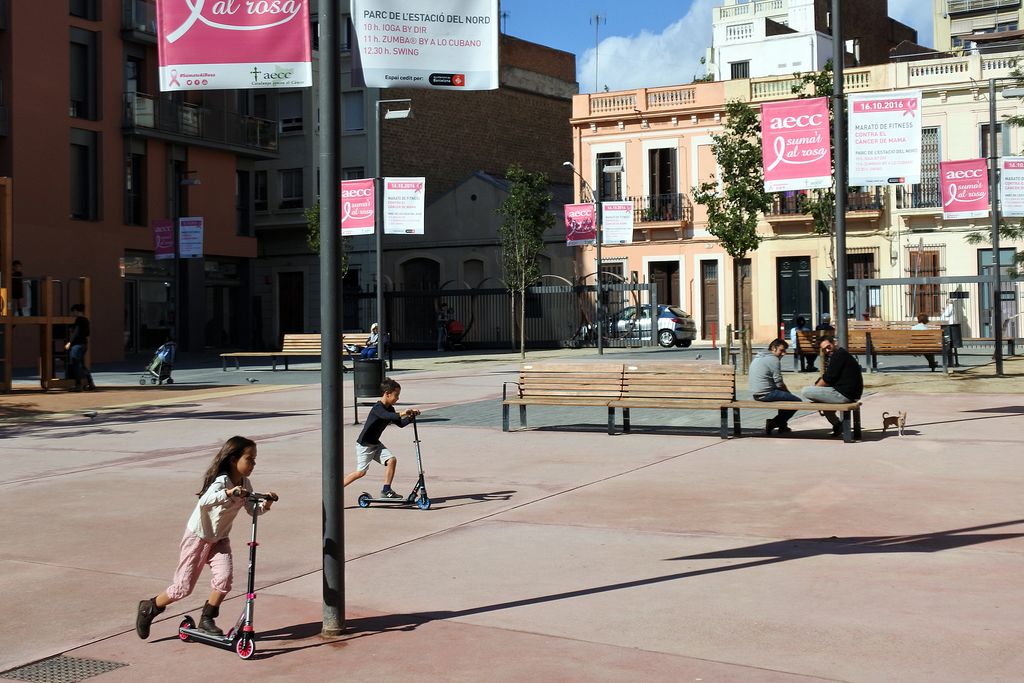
x=61 y=669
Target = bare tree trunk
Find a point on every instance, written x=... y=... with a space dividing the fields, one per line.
x=522 y=324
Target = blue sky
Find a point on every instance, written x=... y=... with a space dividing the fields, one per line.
x=644 y=42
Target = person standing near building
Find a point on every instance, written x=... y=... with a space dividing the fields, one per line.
x=78 y=342
x=766 y=384
x=922 y=324
x=443 y=318
x=17 y=289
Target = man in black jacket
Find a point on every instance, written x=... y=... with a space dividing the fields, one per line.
x=842 y=381
x=76 y=346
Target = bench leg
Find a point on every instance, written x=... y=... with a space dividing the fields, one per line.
x=522 y=417
x=224 y=364
x=273 y=363
x=737 y=428
x=856 y=424
x=625 y=420
x=847 y=427
x=504 y=418
x=611 y=420
x=238 y=364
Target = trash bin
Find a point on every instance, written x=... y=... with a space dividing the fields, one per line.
x=369 y=373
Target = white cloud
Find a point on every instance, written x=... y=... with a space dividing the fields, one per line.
x=651 y=59
x=916 y=14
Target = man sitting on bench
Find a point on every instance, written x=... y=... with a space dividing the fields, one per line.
x=842 y=382
x=765 y=383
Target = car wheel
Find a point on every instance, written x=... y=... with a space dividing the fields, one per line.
x=666 y=338
x=685 y=343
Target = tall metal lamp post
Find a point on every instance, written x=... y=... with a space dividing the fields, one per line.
x=393 y=109
x=595 y=200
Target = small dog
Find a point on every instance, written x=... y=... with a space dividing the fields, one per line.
x=899 y=421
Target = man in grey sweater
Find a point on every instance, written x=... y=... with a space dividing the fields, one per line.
x=765 y=383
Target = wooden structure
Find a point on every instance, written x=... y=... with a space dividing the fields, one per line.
x=50 y=313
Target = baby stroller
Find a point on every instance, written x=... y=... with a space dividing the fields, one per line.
x=456 y=331
x=159 y=369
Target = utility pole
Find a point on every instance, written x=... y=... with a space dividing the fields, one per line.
x=597 y=20
x=839 y=136
x=330 y=320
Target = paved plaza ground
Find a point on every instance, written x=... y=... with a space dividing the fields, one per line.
x=554 y=554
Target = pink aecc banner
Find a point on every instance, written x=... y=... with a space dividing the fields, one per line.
x=795 y=147
x=580 y=226
x=225 y=44
x=358 y=207
x=964 y=188
x=163 y=239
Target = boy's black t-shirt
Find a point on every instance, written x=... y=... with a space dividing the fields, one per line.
x=80 y=331
x=379 y=418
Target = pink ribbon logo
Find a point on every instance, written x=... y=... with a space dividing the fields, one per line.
x=174 y=79
x=910 y=108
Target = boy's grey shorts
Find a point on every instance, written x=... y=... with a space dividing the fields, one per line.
x=364 y=454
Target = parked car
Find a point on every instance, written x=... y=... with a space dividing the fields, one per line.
x=675 y=326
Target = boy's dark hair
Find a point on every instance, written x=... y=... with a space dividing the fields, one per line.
x=776 y=343
x=830 y=340
x=389 y=385
x=77 y=307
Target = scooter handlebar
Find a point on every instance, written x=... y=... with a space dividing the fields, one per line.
x=256 y=497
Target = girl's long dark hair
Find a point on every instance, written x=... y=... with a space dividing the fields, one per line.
x=231 y=450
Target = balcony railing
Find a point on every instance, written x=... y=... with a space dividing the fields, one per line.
x=140 y=15
x=921 y=196
x=792 y=203
x=960 y=6
x=661 y=207
x=198 y=125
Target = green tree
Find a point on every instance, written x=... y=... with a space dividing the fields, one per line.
x=527 y=216
x=312 y=215
x=736 y=201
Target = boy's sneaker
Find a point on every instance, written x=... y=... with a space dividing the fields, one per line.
x=390 y=493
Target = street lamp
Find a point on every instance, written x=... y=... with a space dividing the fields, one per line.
x=393 y=109
x=595 y=200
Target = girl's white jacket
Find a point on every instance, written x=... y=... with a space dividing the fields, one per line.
x=216 y=511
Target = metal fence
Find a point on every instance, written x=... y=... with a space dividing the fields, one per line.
x=555 y=315
x=966 y=301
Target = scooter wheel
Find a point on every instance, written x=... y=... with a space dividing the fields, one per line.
x=152 y=381
x=142 y=381
x=187 y=622
x=364 y=500
x=245 y=647
x=423 y=503
x=170 y=381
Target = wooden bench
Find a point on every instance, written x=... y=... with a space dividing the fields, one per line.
x=906 y=342
x=807 y=347
x=676 y=386
x=358 y=339
x=294 y=345
x=850 y=413
x=563 y=384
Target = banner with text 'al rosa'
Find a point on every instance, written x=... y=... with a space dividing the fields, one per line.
x=795 y=145
x=884 y=138
x=964 y=188
x=453 y=45
x=226 y=44
x=358 y=205
x=403 y=206
x=163 y=239
x=580 y=227
x=1011 y=187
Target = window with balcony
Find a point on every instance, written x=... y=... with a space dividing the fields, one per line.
x=610 y=181
x=259 y=191
x=925 y=194
x=291 y=188
x=84 y=70
x=84 y=167
x=925 y=261
x=353 y=111
x=290 y=111
x=739 y=69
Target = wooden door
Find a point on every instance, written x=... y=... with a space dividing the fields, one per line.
x=665 y=276
x=289 y=303
x=793 y=287
x=744 y=299
x=709 y=300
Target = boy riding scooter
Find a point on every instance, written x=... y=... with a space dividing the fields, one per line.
x=369 y=446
